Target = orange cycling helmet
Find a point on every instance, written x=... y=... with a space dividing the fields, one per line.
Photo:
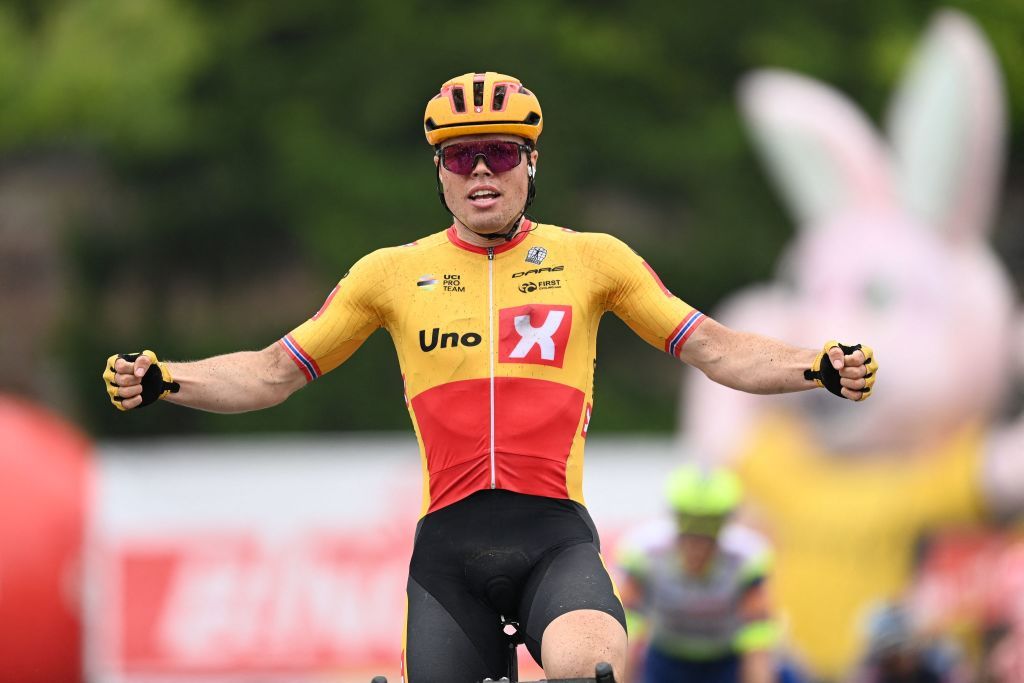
x=486 y=102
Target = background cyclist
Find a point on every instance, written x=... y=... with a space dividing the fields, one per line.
x=694 y=588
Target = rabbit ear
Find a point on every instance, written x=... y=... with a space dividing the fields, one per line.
x=823 y=152
x=947 y=127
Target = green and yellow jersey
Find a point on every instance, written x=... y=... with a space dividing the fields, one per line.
x=697 y=618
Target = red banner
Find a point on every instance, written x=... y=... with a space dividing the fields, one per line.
x=238 y=605
x=976 y=577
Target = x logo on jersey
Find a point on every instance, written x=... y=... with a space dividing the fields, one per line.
x=534 y=333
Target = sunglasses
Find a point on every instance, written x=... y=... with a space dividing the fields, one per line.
x=499 y=155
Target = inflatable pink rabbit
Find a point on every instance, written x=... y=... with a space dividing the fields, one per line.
x=891 y=247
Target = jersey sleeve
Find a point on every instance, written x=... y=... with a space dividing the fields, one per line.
x=352 y=311
x=634 y=292
x=755 y=553
x=638 y=545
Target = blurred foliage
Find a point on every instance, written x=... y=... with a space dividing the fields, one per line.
x=260 y=148
x=108 y=72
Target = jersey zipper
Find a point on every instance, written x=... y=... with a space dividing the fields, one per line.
x=490 y=336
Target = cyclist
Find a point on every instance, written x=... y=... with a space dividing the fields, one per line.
x=897 y=652
x=694 y=588
x=494 y=320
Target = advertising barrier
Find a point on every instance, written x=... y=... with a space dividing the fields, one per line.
x=282 y=560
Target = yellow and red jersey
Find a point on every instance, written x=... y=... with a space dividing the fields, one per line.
x=497 y=348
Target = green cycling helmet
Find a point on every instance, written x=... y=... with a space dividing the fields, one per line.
x=703 y=498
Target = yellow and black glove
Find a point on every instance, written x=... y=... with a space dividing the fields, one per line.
x=156 y=383
x=824 y=375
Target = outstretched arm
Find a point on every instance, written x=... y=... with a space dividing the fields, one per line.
x=232 y=383
x=762 y=365
x=739 y=360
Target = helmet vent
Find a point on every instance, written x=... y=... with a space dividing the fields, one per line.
x=499 y=98
x=459 y=100
x=482 y=103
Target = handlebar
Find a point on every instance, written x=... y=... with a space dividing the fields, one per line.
x=602 y=674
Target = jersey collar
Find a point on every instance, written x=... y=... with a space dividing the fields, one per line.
x=453 y=237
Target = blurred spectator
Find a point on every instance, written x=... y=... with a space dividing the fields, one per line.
x=697 y=605
x=43 y=497
x=897 y=654
x=1005 y=663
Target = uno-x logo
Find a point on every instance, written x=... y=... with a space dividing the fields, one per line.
x=535 y=334
x=448 y=339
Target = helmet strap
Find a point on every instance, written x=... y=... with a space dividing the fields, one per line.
x=440 y=191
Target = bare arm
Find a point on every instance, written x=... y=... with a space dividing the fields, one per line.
x=762 y=365
x=757 y=667
x=232 y=383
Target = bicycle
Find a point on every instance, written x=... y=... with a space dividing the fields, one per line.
x=602 y=672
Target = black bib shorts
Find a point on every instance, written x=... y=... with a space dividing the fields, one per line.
x=496 y=554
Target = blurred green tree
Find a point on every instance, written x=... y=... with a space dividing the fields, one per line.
x=260 y=148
